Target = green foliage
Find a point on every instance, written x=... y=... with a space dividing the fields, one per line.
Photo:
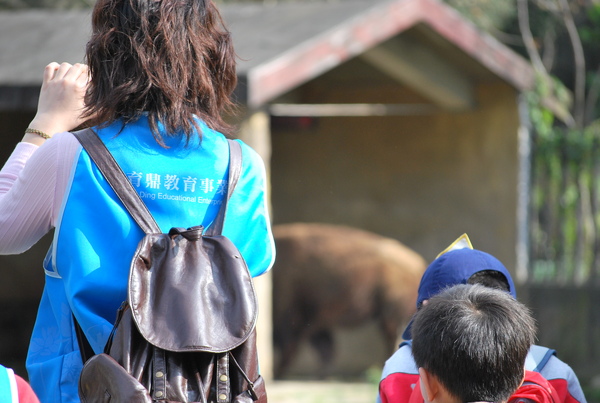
x=545 y=89
x=489 y=15
x=590 y=33
x=565 y=205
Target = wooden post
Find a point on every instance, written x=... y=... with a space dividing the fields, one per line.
x=255 y=131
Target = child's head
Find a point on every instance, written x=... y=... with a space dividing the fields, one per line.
x=461 y=266
x=472 y=341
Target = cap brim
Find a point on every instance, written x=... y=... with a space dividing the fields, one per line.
x=407 y=334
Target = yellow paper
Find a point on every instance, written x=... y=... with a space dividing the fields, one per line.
x=462 y=242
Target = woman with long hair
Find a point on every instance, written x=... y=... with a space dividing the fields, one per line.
x=160 y=76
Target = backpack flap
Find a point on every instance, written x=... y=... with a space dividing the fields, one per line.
x=190 y=292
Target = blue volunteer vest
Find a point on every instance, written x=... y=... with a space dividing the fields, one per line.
x=87 y=266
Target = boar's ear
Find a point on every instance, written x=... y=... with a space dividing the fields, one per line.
x=462 y=242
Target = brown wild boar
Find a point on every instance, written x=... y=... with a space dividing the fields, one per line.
x=330 y=276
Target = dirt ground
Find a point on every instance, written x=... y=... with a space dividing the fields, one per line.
x=320 y=392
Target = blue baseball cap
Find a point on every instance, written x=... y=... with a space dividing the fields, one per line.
x=456 y=267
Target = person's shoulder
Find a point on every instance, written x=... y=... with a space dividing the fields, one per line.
x=545 y=361
x=60 y=150
x=63 y=138
x=556 y=368
x=251 y=159
x=563 y=379
x=248 y=150
x=399 y=377
x=538 y=357
x=401 y=361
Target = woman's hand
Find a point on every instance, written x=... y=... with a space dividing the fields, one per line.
x=60 y=105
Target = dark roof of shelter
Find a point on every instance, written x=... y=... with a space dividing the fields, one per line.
x=280 y=46
x=31 y=39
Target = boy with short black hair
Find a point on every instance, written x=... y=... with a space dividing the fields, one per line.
x=470 y=344
x=461 y=264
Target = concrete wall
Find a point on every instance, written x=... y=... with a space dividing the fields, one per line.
x=423 y=180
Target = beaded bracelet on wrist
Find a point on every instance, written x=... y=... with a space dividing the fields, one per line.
x=38 y=132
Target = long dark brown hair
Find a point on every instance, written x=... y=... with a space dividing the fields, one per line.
x=171 y=59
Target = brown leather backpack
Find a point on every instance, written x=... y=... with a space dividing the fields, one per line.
x=187 y=330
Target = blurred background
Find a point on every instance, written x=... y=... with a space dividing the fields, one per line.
x=417 y=120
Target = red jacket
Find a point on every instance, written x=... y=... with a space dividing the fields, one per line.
x=535 y=389
x=401 y=378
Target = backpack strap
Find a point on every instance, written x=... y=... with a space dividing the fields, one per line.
x=235 y=170
x=117 y=180
x=125 y=191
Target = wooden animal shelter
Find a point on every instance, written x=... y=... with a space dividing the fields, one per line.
x=394 y=116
